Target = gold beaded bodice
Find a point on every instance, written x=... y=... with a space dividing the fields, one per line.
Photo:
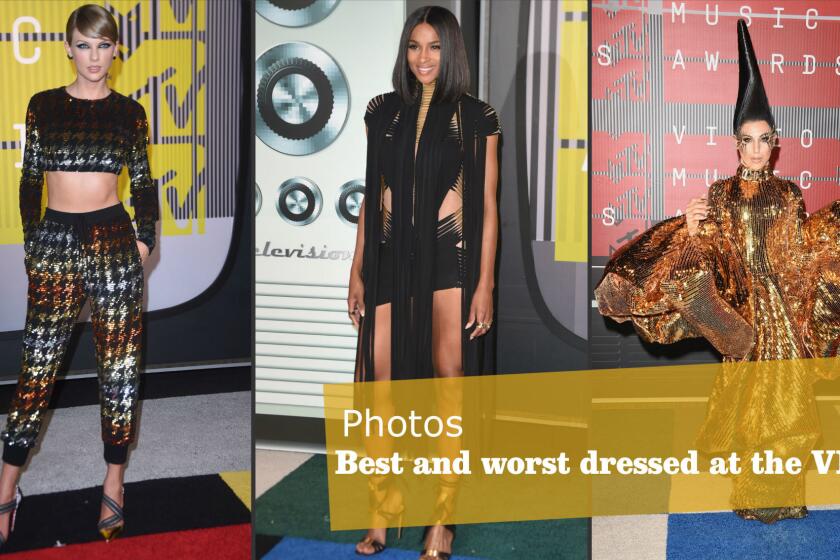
x=425 y=101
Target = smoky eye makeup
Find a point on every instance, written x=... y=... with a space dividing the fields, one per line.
x=413 y=45
x=87 y=46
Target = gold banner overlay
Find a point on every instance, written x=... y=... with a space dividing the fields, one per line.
x=580 y=444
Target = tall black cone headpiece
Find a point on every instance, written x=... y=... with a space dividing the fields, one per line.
x=752 y=102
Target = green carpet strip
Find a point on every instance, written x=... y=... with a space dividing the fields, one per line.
x=297 y=506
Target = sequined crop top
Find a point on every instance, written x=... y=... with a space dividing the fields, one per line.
x=65 y=133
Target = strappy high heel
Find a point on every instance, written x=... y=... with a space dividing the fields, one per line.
x=433 y=553
x=111 y=527
x=10 y=506
x=444 y=511
x=382 y=495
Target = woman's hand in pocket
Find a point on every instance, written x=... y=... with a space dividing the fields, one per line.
x=143 y=250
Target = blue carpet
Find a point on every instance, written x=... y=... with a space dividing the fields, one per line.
x=715 y=536
x=291 y=548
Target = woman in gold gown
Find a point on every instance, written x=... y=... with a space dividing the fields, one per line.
x=748 y=270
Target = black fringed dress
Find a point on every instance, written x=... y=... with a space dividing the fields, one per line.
x=409 y=252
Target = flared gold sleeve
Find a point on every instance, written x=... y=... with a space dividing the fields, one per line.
x=821 y=304
x=674 y=286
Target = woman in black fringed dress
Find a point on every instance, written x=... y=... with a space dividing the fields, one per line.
x=427 y=239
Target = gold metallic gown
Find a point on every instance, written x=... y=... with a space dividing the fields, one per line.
x=760 y=281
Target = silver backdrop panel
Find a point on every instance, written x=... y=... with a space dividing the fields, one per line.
x=310 y=190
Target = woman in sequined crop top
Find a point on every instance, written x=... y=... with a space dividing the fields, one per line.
x=78 y=138
x=422 y=278
x=748 y=270
x=82 y=140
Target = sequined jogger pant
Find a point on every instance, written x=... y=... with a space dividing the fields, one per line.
x=70 y=257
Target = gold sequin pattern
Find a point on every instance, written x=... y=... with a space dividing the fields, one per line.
x=759 y=281
x=67 y=263
x=64 y=133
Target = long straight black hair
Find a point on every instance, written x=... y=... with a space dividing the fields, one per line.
x=454 y=74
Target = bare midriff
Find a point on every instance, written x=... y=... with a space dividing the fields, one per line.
x=75 y=191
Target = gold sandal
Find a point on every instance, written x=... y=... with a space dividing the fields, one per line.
x=111 y=527
x=444 y=511
x=433 y=553
x=381 y=493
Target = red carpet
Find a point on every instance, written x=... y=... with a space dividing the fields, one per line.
x=157 y=511
x=232 y=542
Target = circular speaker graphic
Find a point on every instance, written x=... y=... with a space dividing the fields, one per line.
x=302 y=98
x=258 y=201
x=298 y=201
x=295 y=13
x=348 y=204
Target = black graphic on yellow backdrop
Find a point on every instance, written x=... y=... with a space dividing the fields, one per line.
x=161 y=64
